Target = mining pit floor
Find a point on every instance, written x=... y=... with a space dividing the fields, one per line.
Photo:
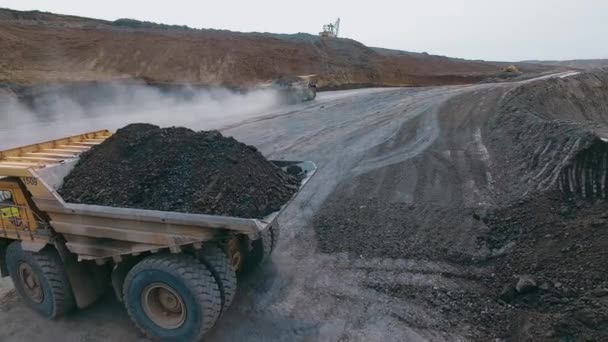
x=382 y=245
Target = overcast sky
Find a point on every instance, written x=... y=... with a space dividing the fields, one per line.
x=474 y=29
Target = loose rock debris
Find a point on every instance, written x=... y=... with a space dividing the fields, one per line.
x=543 y=240
x=177 y=169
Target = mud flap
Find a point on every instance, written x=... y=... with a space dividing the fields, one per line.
x=119 y=273
x=88 y=282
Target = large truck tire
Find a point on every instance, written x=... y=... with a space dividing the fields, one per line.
x=262 y=248
x=172 y=297
x=40 y=278
x=220 y=267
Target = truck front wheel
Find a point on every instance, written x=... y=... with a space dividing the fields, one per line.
x=172 y=297
x=40 y=278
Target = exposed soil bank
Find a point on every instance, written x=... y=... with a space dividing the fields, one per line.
x=420 y=81
x=44 y=47
x=176 y=169
x=552 y=128
x=550 y=235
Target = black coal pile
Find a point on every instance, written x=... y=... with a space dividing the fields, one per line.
x=176 y=169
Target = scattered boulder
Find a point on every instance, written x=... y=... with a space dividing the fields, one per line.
x=600 y=292
x=508 y=293
x=525 y=284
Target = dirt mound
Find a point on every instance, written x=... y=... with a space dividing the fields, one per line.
x=580 y=98
x=176 y=169
x=549 y=236
x=553 y=127
x=44 y=47
x=562 y=247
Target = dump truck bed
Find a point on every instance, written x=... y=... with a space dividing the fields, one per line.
x=99 y=232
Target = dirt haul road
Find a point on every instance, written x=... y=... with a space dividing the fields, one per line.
x=379 y=247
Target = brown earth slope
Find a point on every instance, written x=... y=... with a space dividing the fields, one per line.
x=41 y=47
x=583 y=64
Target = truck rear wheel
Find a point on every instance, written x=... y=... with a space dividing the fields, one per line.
x=41 y=279
x=313 y=93
x=221 y=268
x=237 y=248
x=262 y=248
x=172 y=297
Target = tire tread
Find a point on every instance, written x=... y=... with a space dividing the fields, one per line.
x=218 y=263
x=198 y=278
x=53 y=271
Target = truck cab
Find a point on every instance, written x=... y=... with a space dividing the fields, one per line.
x=17 y=219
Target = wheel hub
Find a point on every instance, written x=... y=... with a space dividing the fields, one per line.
x=168 y=300
x=164 y=306
x=31 y=284
x=235 y=253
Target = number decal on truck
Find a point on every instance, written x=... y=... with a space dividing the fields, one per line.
x=30 y=181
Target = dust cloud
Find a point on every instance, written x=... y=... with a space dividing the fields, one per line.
x=69 y=110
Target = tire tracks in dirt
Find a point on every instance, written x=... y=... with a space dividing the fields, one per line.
x=406 y=165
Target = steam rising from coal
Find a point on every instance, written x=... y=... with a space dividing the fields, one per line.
x=52 y=113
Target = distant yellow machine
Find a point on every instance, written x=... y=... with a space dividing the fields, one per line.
x=511 y=68
x=331 y=30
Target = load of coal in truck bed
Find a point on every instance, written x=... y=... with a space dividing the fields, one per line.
x=176 y=169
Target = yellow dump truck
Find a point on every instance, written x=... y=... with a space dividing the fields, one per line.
x=174 y=272
x=293 y=89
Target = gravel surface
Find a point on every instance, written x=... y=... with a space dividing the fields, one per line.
x=435 y=242
x=177 y=169
x=550 y=267
x=444 y=187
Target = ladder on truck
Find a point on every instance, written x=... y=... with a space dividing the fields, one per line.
x=16 y=161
